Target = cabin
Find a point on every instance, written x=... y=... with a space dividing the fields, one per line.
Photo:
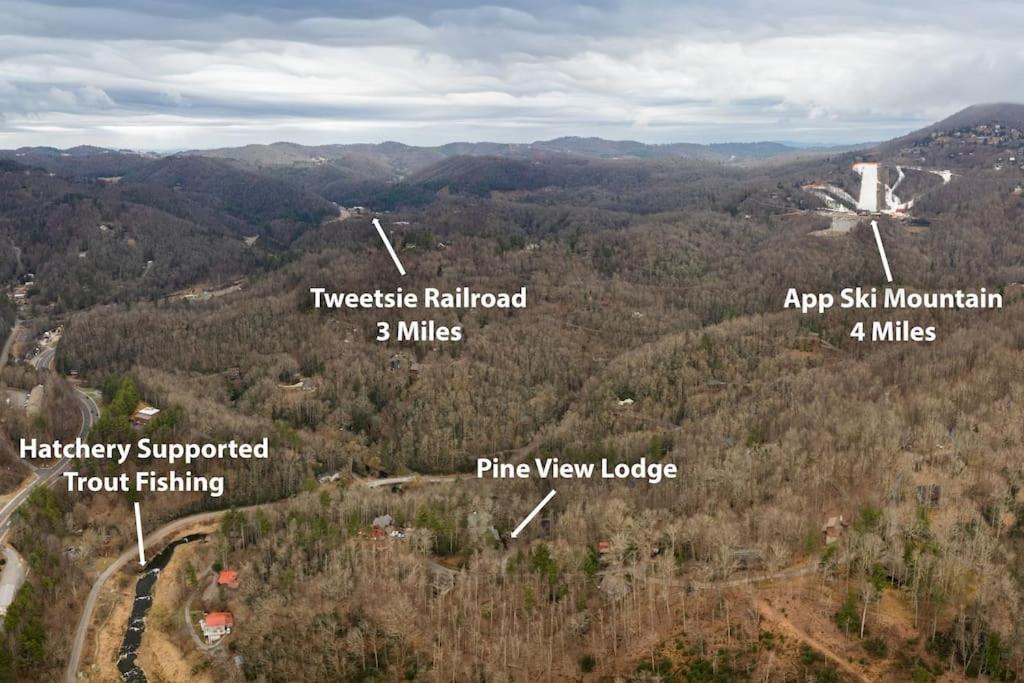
x=228 y=578
x=329 y=477
x=746 y=559
x=143 y=415
x=216 y=625
x=833 y=529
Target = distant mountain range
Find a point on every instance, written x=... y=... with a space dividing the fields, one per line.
x=395 y=160
x=111 y=225
x=406 y=159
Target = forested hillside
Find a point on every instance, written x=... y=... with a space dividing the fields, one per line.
x=655 y=329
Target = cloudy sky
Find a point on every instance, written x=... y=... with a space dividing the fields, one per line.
x=164 y=74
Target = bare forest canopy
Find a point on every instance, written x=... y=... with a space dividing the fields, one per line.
x=654 y=328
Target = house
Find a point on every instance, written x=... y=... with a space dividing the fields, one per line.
x=328 y=477
x=228 y=577
x=143 y=414
x=604 y=547
x=21 y=294
x=833 y=529
x=383 y=522
x=216 y=625
x=747 y=559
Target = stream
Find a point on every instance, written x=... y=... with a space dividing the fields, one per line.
x=130 y=671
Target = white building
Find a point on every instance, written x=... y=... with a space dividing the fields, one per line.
x=216 y=625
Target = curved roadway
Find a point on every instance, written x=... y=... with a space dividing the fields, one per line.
x=130 y=555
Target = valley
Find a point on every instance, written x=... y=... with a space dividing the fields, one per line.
x=782 y=502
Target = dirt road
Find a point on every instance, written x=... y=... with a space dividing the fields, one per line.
x=769 y=613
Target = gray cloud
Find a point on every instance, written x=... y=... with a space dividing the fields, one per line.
x=166 y=74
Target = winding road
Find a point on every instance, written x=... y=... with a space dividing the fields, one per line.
x=13 y=575
x=152 y=539
x=130 y=555
x=46 y=476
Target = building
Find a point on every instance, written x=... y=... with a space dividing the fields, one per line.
x=329 y=477
x=228 y=578
x=21 y=295
x=143 y=414
x=747 y=559
x=833 y=529
x=216 y=625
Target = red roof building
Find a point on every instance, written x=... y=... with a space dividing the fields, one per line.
x=216 y=625
x=143 y=414
x=219 y=619
x=229 y=578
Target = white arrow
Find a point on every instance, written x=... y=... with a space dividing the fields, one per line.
x=387 y=243
x=522 y=524
x=138 y=530
x=881 y=251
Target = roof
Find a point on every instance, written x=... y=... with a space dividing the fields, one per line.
x=835 y=523
x=227 y=577
x=214 y=619
x=147 y=411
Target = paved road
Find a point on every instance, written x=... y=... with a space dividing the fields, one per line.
x=422 y=479
x=14 y=571
x=50 y=475
x=13 y=575
x=44 y=361
x=132 y=554
x=129 y=555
